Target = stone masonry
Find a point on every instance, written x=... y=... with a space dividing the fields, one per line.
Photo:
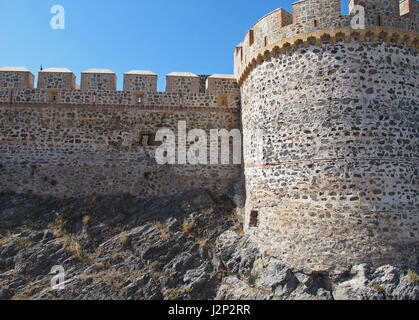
x=57 y=78
x=60 y=141
x=329 y=120
x=330 y=136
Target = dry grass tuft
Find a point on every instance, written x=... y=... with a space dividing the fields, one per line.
x=123 y=239
x=73 y=246
x=187 y=228
x=413 y=277
x=86 y=220
x=163 y=229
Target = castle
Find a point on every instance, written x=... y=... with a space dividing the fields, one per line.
x=332 y=175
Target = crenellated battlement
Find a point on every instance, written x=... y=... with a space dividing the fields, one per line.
x=38 y=96
x=16 y=77
x=56 y=78
x=98 y=87
x=316 y=20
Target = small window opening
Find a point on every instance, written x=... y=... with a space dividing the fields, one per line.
x=315 y=26
x=181 y=100
x=148 y=139
x=251 y=38
x=52 y=96
x=222 y=100
x=379 y=22
x=253 y=223
x=139 y=98
x=265 y=41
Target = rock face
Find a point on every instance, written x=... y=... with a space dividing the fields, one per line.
x=185 y=247
x=113 y=247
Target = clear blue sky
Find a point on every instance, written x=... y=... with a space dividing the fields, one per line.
x=159 y=35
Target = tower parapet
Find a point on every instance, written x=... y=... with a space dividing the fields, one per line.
x=98 y=79
x=270 y=24
x=182 y=82
x=16 y=77
x=56 y=86
x=56 y=78
x=138 y=80
x=410 y=10
x=222 y=84
x=309 y=14
x=316 y=20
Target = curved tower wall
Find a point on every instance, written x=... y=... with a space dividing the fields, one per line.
x=331 y=156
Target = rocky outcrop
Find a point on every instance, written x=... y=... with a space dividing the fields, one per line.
x=270 y=278
x=185 y=247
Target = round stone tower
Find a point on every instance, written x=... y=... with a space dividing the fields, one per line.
x=330 y=128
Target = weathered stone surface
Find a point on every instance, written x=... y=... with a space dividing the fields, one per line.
x=386 y=282
x=101 y=150
x=124 y=247
x=330 y=206
x=331 y=154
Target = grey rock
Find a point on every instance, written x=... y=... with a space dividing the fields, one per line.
x=385 y=282
x=6 y=293
x=131 y=290
x=406 y=290
x=238 y=254
x=213 y=261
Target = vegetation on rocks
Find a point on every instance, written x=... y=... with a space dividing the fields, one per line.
x=184 y=247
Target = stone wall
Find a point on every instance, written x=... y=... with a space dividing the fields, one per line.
x=410 y=8
x=86 y=149
x=203 y=83
x=305 y=12
x=5 y=95
x=228 y=89
x=143 y=81
x=271 y=24
x=332 y=176
x=76 y=97
x=56 y=80
x=60 y=141
x=10 y=78
x=30 y=95
x=182 y=82
x=222 y=84
x=98 y=79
